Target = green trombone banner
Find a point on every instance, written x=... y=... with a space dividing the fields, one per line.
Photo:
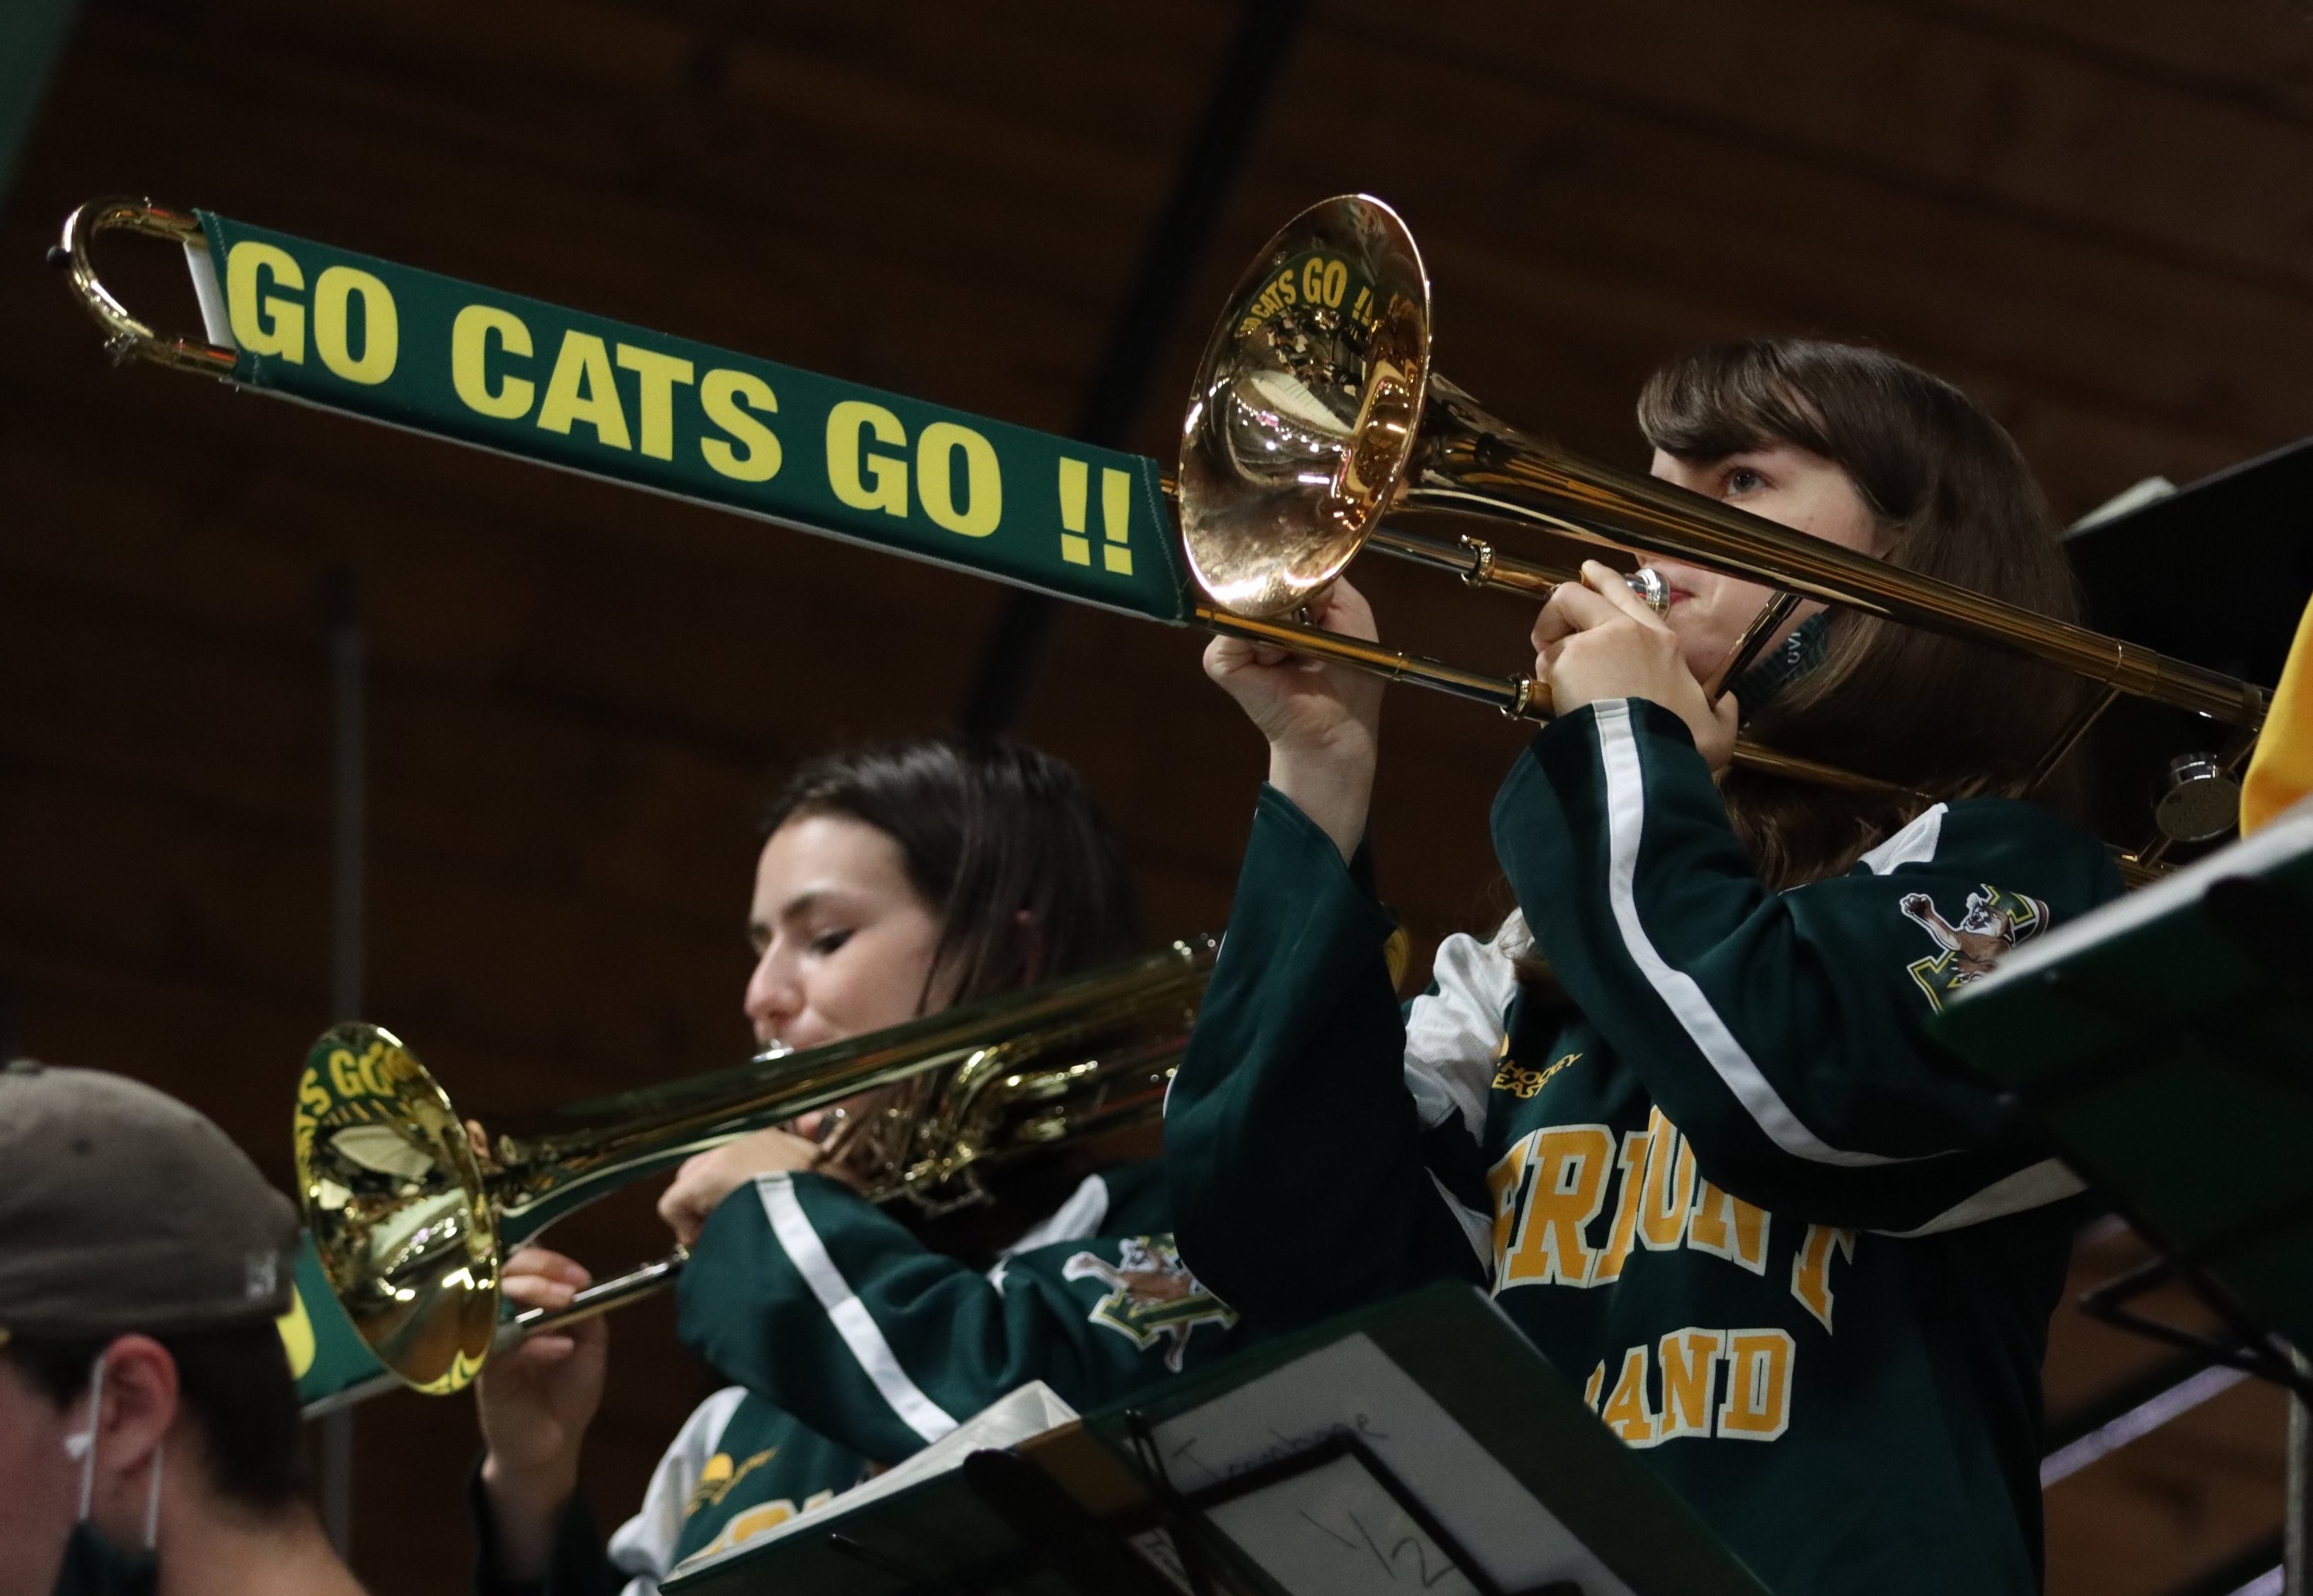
x=413 y=348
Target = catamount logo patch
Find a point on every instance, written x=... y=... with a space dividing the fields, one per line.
x=1151 y=1295
x=1992 y=923
x=717 y=1478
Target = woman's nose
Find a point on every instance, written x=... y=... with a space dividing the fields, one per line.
x=773 y=997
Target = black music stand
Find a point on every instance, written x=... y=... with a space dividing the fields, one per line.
x=2167 y=1041
x=1424 y=1443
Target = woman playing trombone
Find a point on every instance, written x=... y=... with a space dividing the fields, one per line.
x=893 y=881
x=1676 y=1112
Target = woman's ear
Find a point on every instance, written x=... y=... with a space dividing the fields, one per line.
x=1032 y=947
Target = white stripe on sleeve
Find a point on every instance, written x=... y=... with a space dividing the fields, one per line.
x=2032 y=1187
x=849 y=1315
x=1626 y=807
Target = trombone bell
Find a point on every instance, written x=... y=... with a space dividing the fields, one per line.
x=397 y=1207
x=1306 y=408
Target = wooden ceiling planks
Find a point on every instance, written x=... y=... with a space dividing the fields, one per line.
x=2257 y=53
x=1607 y=182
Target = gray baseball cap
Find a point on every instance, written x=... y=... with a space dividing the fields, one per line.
x=123 y=1209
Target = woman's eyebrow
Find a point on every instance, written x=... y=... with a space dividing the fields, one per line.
x=800 y=906
x=760 y=929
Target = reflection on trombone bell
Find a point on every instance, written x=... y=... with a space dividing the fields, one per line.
x=413 y=1211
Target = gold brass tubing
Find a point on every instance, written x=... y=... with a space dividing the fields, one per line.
x=596 y=1300
x=1477 y=563
x=1757 y=756
x=1747 y=648
x=126 y=338
x=1468 y=461
x=1519 y=697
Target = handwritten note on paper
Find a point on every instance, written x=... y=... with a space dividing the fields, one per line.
x=1353 y=1385
x=1334 y=1531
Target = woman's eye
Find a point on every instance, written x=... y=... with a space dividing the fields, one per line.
x=827 y=942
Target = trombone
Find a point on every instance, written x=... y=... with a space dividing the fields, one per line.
x=1315 y=411
x=413 y=1210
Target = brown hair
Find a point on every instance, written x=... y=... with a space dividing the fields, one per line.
x=989 y=831
x=1944 y=717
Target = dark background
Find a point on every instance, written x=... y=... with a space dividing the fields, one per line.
x=2094 y=215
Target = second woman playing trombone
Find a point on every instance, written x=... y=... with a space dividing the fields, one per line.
x=894 y=880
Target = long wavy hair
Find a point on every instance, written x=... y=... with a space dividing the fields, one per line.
x=1954 y=499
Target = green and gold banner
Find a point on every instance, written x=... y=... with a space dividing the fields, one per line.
x=413 y=348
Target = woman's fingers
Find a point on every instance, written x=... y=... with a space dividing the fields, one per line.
x=1718 y=746
x=1607 y=583
x=1600 y=596
x=537 y=1262
x=677 y=1205
x=1226 y=655
x=1571 y=608
x=1344 y=610
x=532 y=1291
x=546 y=1349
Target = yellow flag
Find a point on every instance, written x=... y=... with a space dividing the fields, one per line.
x=2281 y=771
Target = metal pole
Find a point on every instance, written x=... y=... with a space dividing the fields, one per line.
x=348 y=828
x=2297 y=1575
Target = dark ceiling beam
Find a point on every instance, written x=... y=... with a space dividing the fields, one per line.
x=1145 y=319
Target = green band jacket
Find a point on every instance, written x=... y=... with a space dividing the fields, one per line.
x=852 y=1343
x=1801 y=1265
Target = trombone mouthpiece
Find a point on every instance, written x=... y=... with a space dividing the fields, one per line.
x=1648 y=584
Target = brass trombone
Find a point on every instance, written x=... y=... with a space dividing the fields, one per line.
x=413 y=1214
x=1315 y=411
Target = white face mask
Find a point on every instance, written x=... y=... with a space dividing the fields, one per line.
x=81 y=1450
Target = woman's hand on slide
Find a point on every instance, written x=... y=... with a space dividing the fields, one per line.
x=1597 y=639
x=706 y=1178
x=1322 y=721
x=535 y=1401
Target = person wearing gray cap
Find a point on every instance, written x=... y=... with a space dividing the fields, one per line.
x=148 y=1425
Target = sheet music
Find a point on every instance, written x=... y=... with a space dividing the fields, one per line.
x=1317 y=1525
x=1030 y=1410
x=1337 y=1530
